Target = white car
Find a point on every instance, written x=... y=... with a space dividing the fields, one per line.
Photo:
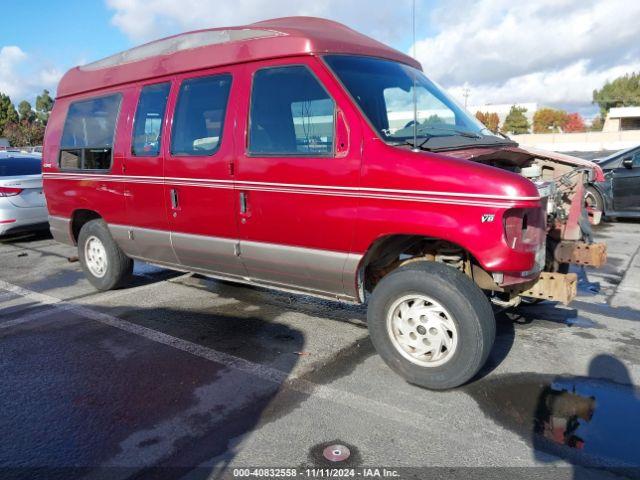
x=22 y=204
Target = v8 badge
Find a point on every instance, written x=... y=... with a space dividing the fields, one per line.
x=488 y=217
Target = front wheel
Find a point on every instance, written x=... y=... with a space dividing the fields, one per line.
x=103 y=262
x=431 y=324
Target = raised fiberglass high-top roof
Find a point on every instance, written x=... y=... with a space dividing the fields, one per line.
x=279 y=37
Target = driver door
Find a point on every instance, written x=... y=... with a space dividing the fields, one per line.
x=297 y=166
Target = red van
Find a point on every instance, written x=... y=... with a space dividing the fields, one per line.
x=301 y=155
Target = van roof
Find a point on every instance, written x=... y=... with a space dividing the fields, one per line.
x=280 y=37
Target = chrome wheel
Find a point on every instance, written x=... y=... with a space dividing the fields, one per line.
x=590 y=200
x=95 y=256
x=422 y=330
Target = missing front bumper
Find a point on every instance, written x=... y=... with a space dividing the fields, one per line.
x=557 y=287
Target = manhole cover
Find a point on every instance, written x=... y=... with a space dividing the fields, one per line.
x=336 y=453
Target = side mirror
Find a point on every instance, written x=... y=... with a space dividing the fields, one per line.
x=627 y=162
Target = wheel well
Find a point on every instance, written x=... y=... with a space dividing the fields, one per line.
x=390 y=252
x=79 y=218
x=598 y=191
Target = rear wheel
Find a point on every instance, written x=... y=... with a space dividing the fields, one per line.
x=431 y=324
x=103 y=262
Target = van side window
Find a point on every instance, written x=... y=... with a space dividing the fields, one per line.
x=291 y=113
x=147 y=126
x=87 y=137
x=199 y=115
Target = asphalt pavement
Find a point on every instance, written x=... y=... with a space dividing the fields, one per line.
x=179 y=376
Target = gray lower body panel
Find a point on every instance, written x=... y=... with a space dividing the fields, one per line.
x=305 y=268
x=144 y=243
x=320 y=272
x=210 y=253
x=60 y=228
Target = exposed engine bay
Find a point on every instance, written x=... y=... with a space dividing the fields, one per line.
x=560 y=180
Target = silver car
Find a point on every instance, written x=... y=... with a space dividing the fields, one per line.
x=22 y=204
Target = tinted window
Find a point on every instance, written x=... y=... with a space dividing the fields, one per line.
x=291 y=113
x=87 y=138
x=386 y=90
x=15 y=166
x=199 y=115
x=147 y=126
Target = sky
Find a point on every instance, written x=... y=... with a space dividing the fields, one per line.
x=553 y=52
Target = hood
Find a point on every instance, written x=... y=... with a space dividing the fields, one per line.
x=519 y=156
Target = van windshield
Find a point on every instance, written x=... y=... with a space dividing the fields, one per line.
x=384 y=91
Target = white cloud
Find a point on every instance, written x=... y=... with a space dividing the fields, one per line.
x=548 y=51
x=10 y=58
x=572 y=84
x=22 y=77
x=143 y=20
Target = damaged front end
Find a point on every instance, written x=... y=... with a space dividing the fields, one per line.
x=560 y=180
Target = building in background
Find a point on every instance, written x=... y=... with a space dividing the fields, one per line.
x=622 y=118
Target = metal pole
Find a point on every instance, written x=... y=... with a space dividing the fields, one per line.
x=415 y=95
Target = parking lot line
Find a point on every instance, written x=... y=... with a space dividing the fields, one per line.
x=341 y=397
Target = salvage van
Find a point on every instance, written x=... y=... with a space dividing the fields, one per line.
x=300 y=155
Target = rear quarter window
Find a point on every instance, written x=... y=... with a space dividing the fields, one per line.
x=18 y=166
x=89 y=130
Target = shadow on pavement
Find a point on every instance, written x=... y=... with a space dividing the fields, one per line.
x=79 y=398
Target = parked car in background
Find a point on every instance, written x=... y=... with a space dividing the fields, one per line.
x=619 y=194
x=22 y=203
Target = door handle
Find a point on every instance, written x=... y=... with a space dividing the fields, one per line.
x=174 y=198
x=243 y=202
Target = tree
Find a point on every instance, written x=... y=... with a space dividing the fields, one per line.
x=574 y=123
x=622 y=92
x=24 y=133
x=44 y=105
x=489 y=120
x=549 y=120
x=516 y=121
x=8 y=112
x=25 y=112
x=433 y=120
x=597 y=124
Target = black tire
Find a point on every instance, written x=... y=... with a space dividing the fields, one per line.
x=119 y=267
x=470 y=311
x=591 y=194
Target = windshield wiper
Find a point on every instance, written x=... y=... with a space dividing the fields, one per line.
x=462 y=133
x=420 y=142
